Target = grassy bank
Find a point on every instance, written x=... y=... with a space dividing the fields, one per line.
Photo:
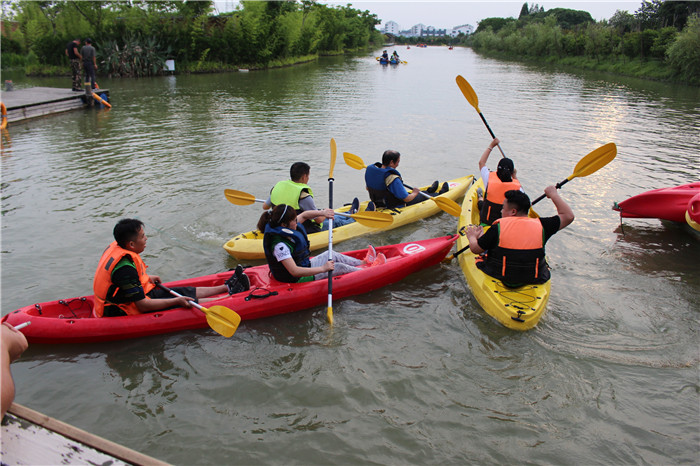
x=645 y=69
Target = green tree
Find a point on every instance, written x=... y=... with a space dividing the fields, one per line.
x=684 y=53
x=524 y=11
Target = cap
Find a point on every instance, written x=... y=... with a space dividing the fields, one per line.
x=506 y=164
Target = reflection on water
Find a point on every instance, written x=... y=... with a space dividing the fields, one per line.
x=414 y=373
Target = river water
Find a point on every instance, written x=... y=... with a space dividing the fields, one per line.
x=414 y=374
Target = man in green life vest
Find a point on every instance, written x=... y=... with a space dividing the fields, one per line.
x=296 y=193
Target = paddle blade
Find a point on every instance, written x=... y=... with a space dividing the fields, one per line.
x=374 y=219
x=222 y=320
x=448 y=205
x=239 y=197
x=354 y=161
x=595 y=160
x=330 y=315
x=468 y=92
x=334 y=152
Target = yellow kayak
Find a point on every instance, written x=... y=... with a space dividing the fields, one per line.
x=516 y=308
x=247 y=246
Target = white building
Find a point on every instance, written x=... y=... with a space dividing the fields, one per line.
x=417 y=30
x=391 y=27
x=465 y=29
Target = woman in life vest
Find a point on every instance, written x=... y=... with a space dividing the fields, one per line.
x=287 y=248
x=515 y=243
x=496 y=184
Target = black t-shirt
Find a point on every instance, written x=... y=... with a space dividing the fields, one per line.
x=489 y=240
x=72 y=48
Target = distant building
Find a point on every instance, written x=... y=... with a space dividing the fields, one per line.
x=421 y=30
x=465 y=29
x=391 y=27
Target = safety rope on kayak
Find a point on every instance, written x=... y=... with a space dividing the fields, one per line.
x=518 y=297
x=81 y=301
x=260 y=293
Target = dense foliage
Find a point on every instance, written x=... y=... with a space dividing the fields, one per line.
x=134 y=38
x=662 y=39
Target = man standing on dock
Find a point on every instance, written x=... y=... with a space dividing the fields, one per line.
x=89 y=62
x=75 y=58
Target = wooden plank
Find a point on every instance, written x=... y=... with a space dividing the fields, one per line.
x=29 y=437
x=24 y=104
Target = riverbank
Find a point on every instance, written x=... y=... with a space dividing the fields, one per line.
x=194 y=67
x=651 y=69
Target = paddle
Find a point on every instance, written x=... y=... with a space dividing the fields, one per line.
x=591 y=163
x=370 y=219
x=471 y=96
x=448 y=205
x=330 y=231
x=222 y=320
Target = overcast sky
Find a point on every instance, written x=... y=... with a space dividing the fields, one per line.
x=447 y=14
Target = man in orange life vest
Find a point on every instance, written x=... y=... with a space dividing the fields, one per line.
x=496 y=184
x=122 y=286
x=515 y=242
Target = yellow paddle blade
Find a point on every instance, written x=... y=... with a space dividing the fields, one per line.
x=595 y=160
x=330 y=315
x=374 y=219
x=448 y=205
x=222 y=320
x=239 y=197
x=354 y=161
x=333 y=157
x=468 y=92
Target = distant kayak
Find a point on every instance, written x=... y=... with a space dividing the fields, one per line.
x=665 y=203
x=70 y=320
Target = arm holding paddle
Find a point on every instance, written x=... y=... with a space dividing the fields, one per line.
x=485 y=156
x=566 y=215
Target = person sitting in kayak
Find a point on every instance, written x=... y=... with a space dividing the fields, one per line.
x=287 y=248
x=395 y=56
x=496 y=184
x=514 y=244
x=386 y=188
x=385 y=56
x=122 y=286
x=296 y=192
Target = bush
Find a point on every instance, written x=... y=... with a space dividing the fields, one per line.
x=684 y=53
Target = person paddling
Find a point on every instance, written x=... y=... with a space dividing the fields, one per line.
x=514 y=244
x=286 y=248
x=297 y=193
x=496 y=184
x=386 y=188
x=122 y=286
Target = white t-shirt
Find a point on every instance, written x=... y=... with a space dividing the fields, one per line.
x=281 y=252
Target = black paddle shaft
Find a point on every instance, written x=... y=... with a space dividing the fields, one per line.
x=558 y=185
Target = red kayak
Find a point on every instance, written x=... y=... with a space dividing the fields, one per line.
x=70 y=320
x=666 y=203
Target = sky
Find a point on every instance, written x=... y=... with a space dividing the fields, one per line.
x=447 y=14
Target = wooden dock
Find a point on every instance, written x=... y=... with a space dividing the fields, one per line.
x=24 y=104
x=29 y=437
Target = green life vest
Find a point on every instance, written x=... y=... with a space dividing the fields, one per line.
x=289 y=192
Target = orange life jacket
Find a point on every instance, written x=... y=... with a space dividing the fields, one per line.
x=494 y=197
x=103 y=279
x=519 y=256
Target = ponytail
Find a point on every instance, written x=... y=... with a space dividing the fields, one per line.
x=276 y=217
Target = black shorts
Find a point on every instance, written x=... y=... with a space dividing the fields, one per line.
x=160 y=293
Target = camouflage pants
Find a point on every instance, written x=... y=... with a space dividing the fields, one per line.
x=77 y=78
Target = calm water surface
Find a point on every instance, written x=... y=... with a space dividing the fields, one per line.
x=413 y=374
